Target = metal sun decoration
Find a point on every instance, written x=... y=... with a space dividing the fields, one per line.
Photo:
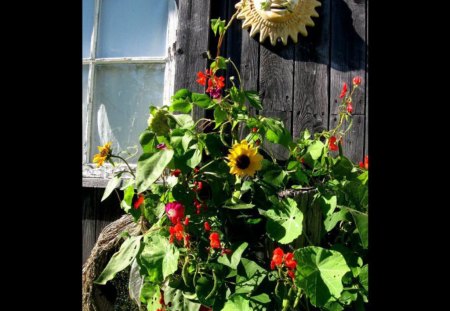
x=277 y=18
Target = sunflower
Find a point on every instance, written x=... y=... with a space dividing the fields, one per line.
x=104 y=155
x=244 y=159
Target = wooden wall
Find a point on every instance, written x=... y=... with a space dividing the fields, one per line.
x=299 y=83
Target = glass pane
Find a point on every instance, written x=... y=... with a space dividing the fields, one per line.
x=84 y=109
x=88 y=26
x=123 y=94
x=132 y=28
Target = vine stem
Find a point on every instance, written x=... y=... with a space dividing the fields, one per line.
x=125 y=161
x=222 y=35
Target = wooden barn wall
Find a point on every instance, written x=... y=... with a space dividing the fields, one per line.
x=299 y=83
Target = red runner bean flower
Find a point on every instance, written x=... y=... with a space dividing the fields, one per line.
x=332 y=144
x=344 y=90
x=174 y=211
x=214 y=240
x=139 y=201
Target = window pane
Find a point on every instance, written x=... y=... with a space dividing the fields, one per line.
x=132 y=28
x=123 y=94
x=84 y=109
x=88 y=26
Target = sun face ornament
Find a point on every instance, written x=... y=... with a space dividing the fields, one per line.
x=277 y=18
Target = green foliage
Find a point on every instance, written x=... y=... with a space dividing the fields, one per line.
x=233 y=260
x=150 y=167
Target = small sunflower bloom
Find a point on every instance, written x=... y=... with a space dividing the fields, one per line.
x=104 y=154
x=244 y=159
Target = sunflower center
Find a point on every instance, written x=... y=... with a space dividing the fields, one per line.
x=243 y=161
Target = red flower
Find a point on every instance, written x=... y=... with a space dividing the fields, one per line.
x=255 y=129
x=291 y=274
x=215 y=82
x=277 y=258
x=175 y=211
x=207 y=226
x=139 y=201
x=357 y=80
x=196 y=169
x=349 y=107
x=201 y=78
x=258 y=142
x=187 y=241
x=365 y=164
x=176 y=172
x=289 y=261
x=332 y=144
x=198 y=185
x=203 y=308
x=214 y=240
x=344 y=90
x=186 y=221
x=176 y=231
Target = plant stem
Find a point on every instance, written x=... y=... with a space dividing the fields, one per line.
x=125 y=161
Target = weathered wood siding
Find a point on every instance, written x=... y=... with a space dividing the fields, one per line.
x=299 y=83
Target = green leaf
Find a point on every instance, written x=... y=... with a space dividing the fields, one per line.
x=362 y=224
x=261 y=298
x=316 y=149
x=147 y=141
x=217 y=25
x=284 y=223
x=274 y=177
x=194 y=157
x=112 y=184
x=120 y=260
x=233 y=260
x=320 y=273
x=135 y=283
x=219 y=116
x=181 y=105
x=237 y=302
x=126 y=203
x=160 y=258
x=364 y=277
x=331 y=221
x=328 y=203
x=249 y=276
x=181 y=94
x=301 y=176
x=179 y=300
x=219 y=63
x=150 y=168
x=343 y=168
x=184 y=121
x=253 y=99
x=185 y=141
x=202 y=100
x=240 y=206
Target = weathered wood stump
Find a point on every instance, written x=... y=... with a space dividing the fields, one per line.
x=103 y=297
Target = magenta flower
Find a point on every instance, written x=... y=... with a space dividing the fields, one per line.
x=175 y=211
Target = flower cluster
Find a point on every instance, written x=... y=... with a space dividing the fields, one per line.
x=215 y=83
x=287 y=260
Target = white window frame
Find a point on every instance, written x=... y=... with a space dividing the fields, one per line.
x=98 y=177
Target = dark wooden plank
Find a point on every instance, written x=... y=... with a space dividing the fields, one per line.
x=311 y=64
x=348 y=50
x=107 y=211
x=366 y=91
x=276 y=79
x=192 y=43
x=87 y=223
x=353 y=145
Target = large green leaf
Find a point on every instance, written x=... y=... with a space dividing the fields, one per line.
x=201 y=100
x=184 y=121
x=220 y=116
x=249 y=276
x=178 y=300
x=112 y=184
x=237 y=302
x=331 y=221
x=194 y=157
x=150 y=294
x=253 y=99
x=120 y=260
x=181 y=105
x=160 y=258
x=316 y=149
x=328 y=203
x=362 y=224
x=150 y=168
x=284 y=221
x=320 y=273
x=233 y=260
x=135 y=283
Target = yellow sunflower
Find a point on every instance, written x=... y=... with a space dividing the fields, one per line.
x=244 y=159
x=105 y=154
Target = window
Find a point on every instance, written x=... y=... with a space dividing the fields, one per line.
x=127 y=66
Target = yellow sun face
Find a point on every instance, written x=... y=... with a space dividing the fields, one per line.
x=244 y=159
x=105 y=154
x=277 y=18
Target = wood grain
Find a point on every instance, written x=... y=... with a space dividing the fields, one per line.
x=311 y=76
x=191 y=46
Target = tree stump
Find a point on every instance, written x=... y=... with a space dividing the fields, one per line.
x=103 y=297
